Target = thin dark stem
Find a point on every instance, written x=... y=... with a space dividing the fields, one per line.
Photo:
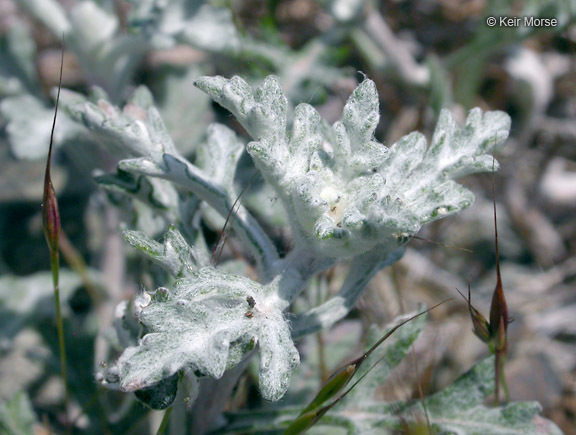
x=324 y=376
x=500 y=378
x=496 y=229
x=420 y=391
x=55 y=266
x=498 y=312
x=504 y=382
x=393 y=330
x=497 y=371
x=47 y=175
x=219 y=247
x=53 y=237
x=434 y=242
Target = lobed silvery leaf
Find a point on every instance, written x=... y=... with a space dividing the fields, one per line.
x=156 y=193
x=17 y=415
x=107 y=55
x=93 y=26
x=183 y=173
x=211 y=29
x=203 y=26
x=184 y=108
x=262 y=112
x=50 y=12
x=29 y=124
x=18 y=73
x=460 y=408
x=207 y=323
x=344 y=192
x=23 y=299
x=136 y=131
x=218 y=156
x=125 y=329
x=174 y=255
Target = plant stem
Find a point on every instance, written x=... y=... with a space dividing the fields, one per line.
x=360 y=273
x=164 y=422
x=55 y=266
x=294 y=272
x=503 y=381
x=324 y=374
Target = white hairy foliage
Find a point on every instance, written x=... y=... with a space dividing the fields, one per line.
x=207 y=323
x=345 y=192
x=135 y=131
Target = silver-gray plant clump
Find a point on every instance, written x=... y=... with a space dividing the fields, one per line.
x=346 y=196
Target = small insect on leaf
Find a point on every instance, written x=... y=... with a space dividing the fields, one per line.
x=251 y=301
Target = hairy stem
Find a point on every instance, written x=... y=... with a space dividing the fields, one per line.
x=361 y=271
x=294 y=272
x=214 y=396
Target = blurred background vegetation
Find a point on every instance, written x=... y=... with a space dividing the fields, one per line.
x=423 y=55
